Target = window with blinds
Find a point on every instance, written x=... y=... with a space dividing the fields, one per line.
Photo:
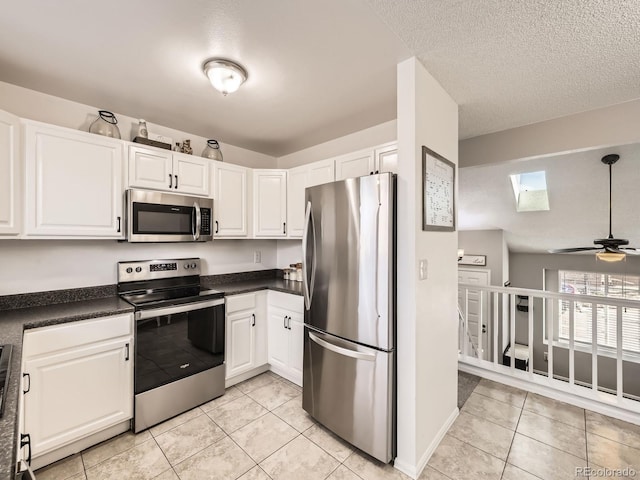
x=602 y=285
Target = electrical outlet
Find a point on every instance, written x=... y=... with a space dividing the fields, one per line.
x=257 y=256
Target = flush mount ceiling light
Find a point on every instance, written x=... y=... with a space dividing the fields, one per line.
x=225 y=75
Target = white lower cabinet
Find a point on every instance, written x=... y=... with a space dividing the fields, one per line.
x=78 y=381
x=246 y=333
x=286 y=335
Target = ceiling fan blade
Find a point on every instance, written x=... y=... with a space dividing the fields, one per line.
x=630 y=251
x=572 y=250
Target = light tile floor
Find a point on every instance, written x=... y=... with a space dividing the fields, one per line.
x=258 y=431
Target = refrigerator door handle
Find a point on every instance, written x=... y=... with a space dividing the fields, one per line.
x=305 y=269
x=341 y=350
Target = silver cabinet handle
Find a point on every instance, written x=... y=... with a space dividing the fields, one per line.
x=370 y=357
x=156 y=312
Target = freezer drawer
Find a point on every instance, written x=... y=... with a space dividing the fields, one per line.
x=350 y=390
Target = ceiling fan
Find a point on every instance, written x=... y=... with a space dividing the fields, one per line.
x=610 y=249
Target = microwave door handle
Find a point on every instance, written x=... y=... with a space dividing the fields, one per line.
x=196 y=233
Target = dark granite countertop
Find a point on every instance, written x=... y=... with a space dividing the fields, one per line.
x=247 y=286
x=48 y=309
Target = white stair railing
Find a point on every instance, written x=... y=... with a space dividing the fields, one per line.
x=543 y=307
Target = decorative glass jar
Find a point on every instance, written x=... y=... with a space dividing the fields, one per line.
x=106 y=124
x=212 y=151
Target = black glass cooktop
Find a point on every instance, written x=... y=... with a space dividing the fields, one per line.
x=143 y=299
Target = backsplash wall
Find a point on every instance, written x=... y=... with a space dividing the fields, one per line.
x=41 y=265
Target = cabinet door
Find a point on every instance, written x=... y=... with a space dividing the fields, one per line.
x=191 y=174
x=74 y=183
x=297 y=181
x=357 y=164
x=150 y=169
x=278 y=339
x=387 y=158
x=240 y=342
x=296 y=346
x=78 y=392
x=10 y=178
x=230 y=200
x=261 y=341
x=270 y=203
x=321 y=172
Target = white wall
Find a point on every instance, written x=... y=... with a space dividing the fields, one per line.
x=39 y=106
x=369 y=137
x=40 y=265
x=490 y=243
x=289 y=251
x=427 y=323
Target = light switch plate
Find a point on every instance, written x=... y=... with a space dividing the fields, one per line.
x=257 y=256
x=423 y=269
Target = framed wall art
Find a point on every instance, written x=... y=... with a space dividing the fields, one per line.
x=438 y=192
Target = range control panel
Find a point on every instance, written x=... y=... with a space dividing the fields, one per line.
x=154 y=269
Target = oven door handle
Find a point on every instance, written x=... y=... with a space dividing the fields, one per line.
x=196 y=233
x=186 y=307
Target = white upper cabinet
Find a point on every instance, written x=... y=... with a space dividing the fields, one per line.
x=230 y=204
x=298 y=179
x=73 y=183
x=386 y=158
x=168 y=171
x=191 y=174
x=356 y=164
x=150 y=168
x=270 y=203
x=321 y=172
x=10 y=174
x=381 y=159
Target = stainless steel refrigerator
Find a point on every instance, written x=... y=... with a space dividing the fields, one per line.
x=349 y=289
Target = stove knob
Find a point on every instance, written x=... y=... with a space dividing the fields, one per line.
x=187 y=266
x=129 y=270
x=138 y=269
x=193 y=265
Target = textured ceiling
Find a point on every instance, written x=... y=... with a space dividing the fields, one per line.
x=510 y=63
x=578 y=188
x=317 y=70
x=323 y=69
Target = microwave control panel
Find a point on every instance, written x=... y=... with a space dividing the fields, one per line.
x=205 y=227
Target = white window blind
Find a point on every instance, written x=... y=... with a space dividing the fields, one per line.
x=602 y=285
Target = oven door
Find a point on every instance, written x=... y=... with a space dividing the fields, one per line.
x=165 y=217
x=178 y=341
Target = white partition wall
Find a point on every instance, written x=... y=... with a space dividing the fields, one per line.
x=427 y=316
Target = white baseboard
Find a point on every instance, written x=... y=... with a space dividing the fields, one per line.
x=229 y=382
x=414 y=471
x=566 y=397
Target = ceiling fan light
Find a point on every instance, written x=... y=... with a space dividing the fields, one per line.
x=225 y=75
x=610 y=256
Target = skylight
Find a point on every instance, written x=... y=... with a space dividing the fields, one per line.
x=530 y=190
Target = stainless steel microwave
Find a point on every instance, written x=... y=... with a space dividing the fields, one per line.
x=167 y=217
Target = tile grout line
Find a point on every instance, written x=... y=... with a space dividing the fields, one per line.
x=513 y=439
x=486 y=419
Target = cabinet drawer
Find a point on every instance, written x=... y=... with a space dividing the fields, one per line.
x=287 y=301
x=73 y=334
x=235 y=303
